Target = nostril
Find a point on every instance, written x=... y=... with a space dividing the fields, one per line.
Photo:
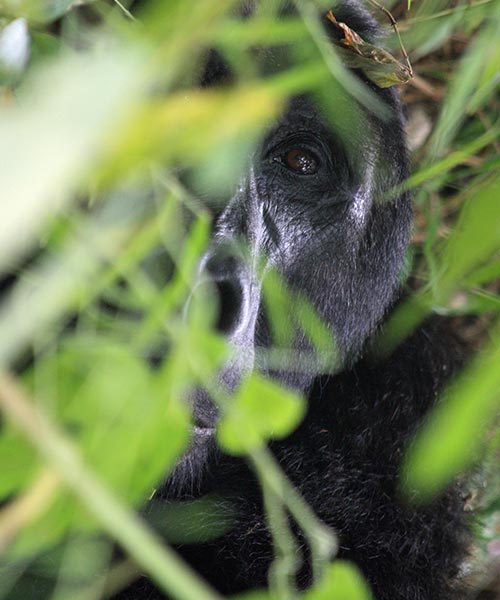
x=230 y=296
x=221 y=265
x=225 y=269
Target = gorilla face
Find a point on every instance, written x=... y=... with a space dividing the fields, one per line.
x=317 y=212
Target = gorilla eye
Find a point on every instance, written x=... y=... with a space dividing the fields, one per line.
x=301 y=161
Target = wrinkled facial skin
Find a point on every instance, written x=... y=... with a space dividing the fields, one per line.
x=317 y=213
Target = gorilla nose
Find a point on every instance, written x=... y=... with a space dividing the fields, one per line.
x=227 y=274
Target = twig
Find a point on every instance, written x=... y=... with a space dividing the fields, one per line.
x=125 y=11
x=347 y=80
x=396 y=30
x=426 y=88
x=287 y=557
x=321 y=539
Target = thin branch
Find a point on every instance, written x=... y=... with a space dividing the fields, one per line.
x=321 y=538
x=125 y=11
x=396 y=30
x=287 y=557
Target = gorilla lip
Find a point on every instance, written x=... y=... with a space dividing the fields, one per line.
x=200 y=431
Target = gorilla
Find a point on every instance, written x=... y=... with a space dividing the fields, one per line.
x=317 y=210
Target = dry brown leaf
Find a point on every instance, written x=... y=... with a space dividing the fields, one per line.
x=375 y=62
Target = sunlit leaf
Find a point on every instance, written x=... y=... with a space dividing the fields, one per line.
x=53 y=134
x=207 y=128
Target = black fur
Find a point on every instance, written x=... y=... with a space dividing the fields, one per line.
x=333 y=237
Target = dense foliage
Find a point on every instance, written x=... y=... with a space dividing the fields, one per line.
x=112 y=162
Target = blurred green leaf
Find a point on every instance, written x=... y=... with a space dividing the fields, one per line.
x=40 y=300
x=206 y=127
x=466 y=81
x=484 y=275
x=44 y=46
x=40 y=11
x=257 y=595
x=343 y=581
x=53 y=134
x=19 y=463
x=456 y=432
x=192 y=522
x=449 y=162
x=474 y=239
x=175 y=296
x=291 y=313
x=127 y=427
x=259 y=410
x=123 y=525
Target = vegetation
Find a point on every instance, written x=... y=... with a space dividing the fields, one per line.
x=101 y=126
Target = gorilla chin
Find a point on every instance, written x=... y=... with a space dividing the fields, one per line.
x=314 y=207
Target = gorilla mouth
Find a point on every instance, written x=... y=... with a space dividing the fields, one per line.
x=187 y=477
x=200 y=431
x=204 y=411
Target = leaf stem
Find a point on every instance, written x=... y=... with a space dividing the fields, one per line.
x=322 y=540
x=287 y=558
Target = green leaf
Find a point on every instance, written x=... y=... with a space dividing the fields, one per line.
x=291 y=312
x=260 y=410
x=455 y=434
x=192 y=522
x=257 y=595
x=128 y=428
x=466 y=81
x=472 y=242
x=53 y=132
x=205 y=127
x=43 y=11
x=44 y=46
x=484 y=275
x=474 y=239
x=343 y=581
x=18 y=462
x=279 y=306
